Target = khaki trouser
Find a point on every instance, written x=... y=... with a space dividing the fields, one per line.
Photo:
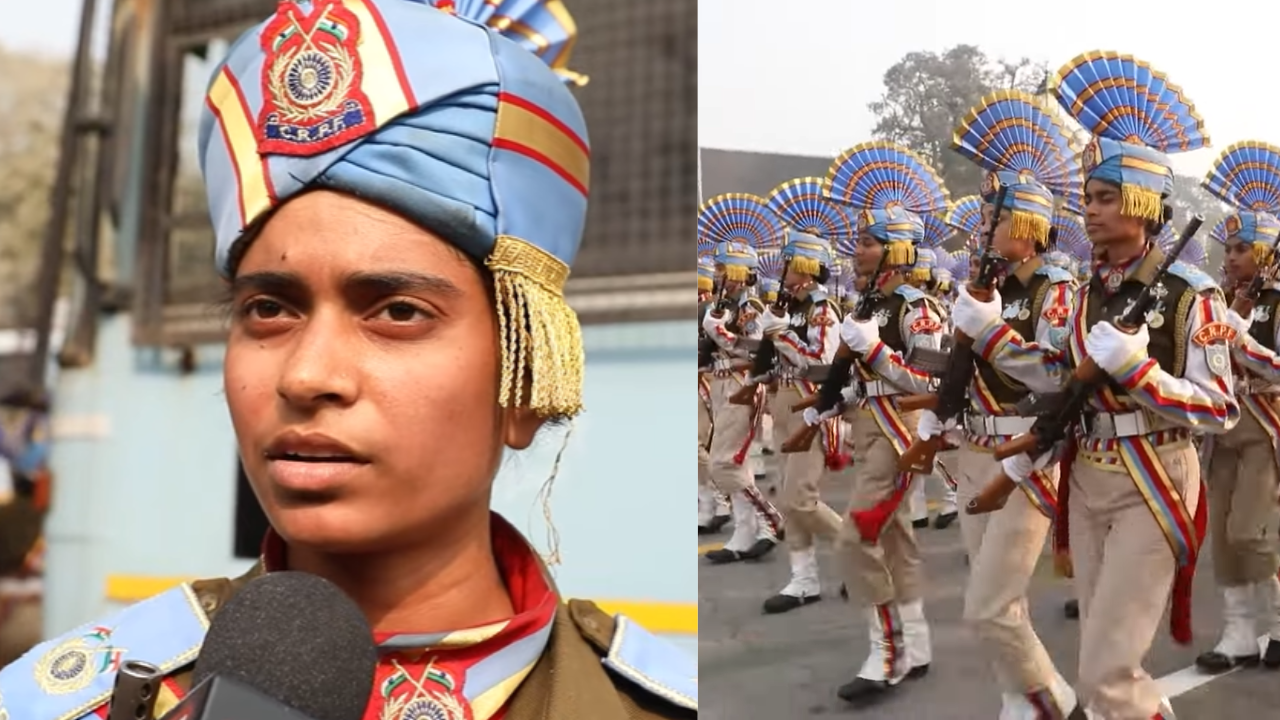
x=21 y=621
x=732 y=427
x=890 y=570
x=1124 y=570
x=807 y=516
x=1242 y=503
x=704 y=439
x=1004 y=547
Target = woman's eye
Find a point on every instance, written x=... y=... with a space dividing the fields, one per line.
x=262 y=309
x=404 y=312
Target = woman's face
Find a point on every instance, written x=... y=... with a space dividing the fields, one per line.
x=866 y=254
x=1103 y=221
x=1239 y=260
x=361 y=375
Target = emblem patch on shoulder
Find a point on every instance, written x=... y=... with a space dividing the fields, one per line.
x=1214 y=332
x=1056 y=315
x=311 y=81
x=72 y=665
x=925 y=326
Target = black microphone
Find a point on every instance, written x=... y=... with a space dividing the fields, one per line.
x=289 y=646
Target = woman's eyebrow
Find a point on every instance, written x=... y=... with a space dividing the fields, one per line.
x=400 y=282
x=269 y=282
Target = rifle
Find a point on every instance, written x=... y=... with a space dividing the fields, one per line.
x=837 y=375
x=1243 y=302
x=1056 y=412
x=766 y=354
x=957 y=374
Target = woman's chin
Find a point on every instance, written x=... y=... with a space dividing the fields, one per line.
x=330 y=529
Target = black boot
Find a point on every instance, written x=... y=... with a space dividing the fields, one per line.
x=780 y=603
x=713 y=527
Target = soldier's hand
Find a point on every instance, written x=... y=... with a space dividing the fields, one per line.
x=1114 y=350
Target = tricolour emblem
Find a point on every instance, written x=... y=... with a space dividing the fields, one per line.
x=311 y=81
x=72 y=666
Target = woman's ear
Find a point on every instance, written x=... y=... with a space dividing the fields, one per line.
x=521 y=425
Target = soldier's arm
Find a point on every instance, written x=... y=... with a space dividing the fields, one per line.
x=727 y=340
x=1042 y=364
x=819 y=348
x=1253 y=355
x=1203 y=398
x=921 y=325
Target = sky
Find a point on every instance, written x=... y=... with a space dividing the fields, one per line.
x=795 y=77
x=47 y=27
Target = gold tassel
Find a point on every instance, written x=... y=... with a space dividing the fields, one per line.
x=806 y=265
x=539 y=333
x=1261 y=254
x=1030 y=226
x=769 y=296
x=706 y=283
x=900 y=254
x=736 y=273
x=1139 y=202
x=921 y=274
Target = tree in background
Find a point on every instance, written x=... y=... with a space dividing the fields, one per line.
x=33 y=91
x=927 y=94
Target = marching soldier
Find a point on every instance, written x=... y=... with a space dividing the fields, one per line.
x=881 y=559
x=804 y=338
x=1135 y=485
x=713 y=506
x=1034 y=300
x=1241 y=465
x=922 y=278
x=737 y=224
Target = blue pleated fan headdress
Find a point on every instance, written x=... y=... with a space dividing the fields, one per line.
x=966 y=214
x=457 y=117
x=706 y=273
x=1137 y=118
x=1024 y=148
x=770 y=273
x=1247 y=176
x=815 y=223
x=740 y=227
x=1194 y=253
x=891 y=188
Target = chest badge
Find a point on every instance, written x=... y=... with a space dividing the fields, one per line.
x=881 y=317
x=1262 y=313
x=1017 y=309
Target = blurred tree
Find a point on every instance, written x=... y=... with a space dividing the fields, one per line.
x=33 y=92
x=927 y=94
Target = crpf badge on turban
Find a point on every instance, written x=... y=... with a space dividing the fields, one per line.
x=430 y=115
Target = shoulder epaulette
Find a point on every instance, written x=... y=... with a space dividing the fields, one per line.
x=1054 y=273
x=654 y=665
x=1198 y=279
x=910 y=293
x=755 y=302
x=70 y=677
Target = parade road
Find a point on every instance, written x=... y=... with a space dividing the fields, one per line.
x=767 y=667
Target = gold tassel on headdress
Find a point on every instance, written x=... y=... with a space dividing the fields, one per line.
x=1261 y=254
x=706 y=283
x=736 y=273
x=1030 y=226
x=921 y=274
x=1139 y=202
x=539 y=333
x=806 y=265
x=901 y=253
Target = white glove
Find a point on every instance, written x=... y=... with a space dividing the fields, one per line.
x=859 y=336
x=770 y=323
x=1239 y=322
x=971 y=317
x=722 y=365
x=850 y=394
x=711 y=323
x=811 y=416
x=1112 y=349
x=1019 y=467
x=930 y=426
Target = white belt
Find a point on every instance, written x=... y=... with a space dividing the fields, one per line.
x=877 y=388
x=1106 y=426
x=988 y=425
